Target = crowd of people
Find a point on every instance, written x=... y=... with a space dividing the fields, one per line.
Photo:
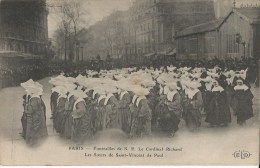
x=138 y=100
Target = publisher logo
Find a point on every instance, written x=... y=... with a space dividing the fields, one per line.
x=241 y=154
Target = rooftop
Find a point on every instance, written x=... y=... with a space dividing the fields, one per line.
x=250 y=13
x=201 y=28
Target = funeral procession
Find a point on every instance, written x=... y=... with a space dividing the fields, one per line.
x=140 y=71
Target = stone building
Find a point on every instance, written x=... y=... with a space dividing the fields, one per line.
x=155 y=22
x=147 y=28
x=23 y=28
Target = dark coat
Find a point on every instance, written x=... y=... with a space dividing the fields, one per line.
x=36 y=121
x=59 y=115
x=219 y=112
x=192 y=116
x=242 y=104
x=81 y=128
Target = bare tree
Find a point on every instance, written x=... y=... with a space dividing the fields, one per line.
x=72 y=18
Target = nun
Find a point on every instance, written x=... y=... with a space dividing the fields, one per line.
x=192 y=116
x=219 y=112
x=123 y=107
x=26 y=99
x=113 y=115
x=60 y=109
x=81 y=126
x=36 y=129
x=143 y=117
x=172 y=119
x=67 y=118
x=243 y=102
x=134 y=117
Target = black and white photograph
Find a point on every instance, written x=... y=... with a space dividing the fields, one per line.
x=129 y=82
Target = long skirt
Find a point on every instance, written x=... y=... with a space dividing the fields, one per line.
x=68 y=124
x=82 y=129
x=193 y=118
x=58 y=122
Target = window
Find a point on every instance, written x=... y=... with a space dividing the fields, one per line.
x=193 y=45
x=232 y=46
x=210 y=44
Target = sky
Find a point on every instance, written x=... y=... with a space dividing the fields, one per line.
x=98 y=9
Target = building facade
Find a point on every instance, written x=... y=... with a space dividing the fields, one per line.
x=23 y=28
x=155 y=22
x=235 y=36
x=147 y=28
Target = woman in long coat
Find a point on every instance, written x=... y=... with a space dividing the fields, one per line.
x=36 y=121
x=243 y=103
x=219 y=112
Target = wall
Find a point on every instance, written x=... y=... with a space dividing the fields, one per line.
x=23 y=26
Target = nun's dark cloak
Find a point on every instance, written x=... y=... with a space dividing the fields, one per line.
x=68 y=117
x=144 y=118
x=36 y=121
x=59 y=115
x=123 y=108
x=81 y=127
x=219 y=112
x=53 y=102
x=172 y=120
x=161 y=110
x=242 y=104
x=113 y=116
x=192 y=114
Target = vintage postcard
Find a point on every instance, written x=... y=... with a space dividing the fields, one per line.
x=129 y=82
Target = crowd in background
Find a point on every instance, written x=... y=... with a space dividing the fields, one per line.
x=13 y=74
